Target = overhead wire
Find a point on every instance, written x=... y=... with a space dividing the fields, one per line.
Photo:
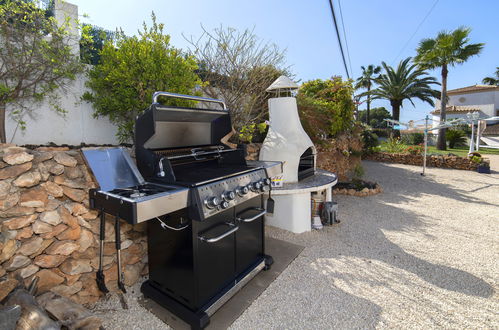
x=416 y=31
x=345 y=38
x=339 y=38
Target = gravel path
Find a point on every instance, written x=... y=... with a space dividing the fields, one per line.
x=421 y=255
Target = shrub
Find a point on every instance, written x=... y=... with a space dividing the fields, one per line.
x=392 y=145
x=326 y=107
x=413 y=138
x=382 y=132
x=249 y=132
x=369 y=140
x=131 y=69
x=415 y=150
x=455 y=137
x=358 y=172
x=476 y=159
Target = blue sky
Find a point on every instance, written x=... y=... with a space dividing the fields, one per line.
x=376 y=30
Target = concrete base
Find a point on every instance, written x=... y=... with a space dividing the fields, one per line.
x=291 y=212
x=292 y=209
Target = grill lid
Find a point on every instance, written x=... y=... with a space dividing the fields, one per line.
x=165 y=127
x=113 y=168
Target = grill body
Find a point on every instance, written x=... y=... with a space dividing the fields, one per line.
x=202 y=254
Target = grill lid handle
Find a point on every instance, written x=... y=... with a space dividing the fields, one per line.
x=187 y=97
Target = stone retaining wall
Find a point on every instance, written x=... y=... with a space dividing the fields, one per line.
x=47 y=229
x=328 y=158
x=442 y=161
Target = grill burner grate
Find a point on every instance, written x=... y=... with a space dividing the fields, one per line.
x=138 y=191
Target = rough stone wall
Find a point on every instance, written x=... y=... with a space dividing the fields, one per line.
x=443 y=161
x=334 y=157
x=47 y=229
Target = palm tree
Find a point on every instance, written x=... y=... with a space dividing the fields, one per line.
x=404 y=83
x=492 y=80
x=447 y=49
x=365 y=81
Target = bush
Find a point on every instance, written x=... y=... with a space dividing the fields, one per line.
x=249 y=132
x=382 y=132
x=358 y=172
x=455 y=137
x=369 y=140
x=131 y=69
x=415 y=150
x=326 y=107
x=413 y=138
x=392 y=145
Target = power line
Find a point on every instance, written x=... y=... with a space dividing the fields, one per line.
x=339 y=39
x=345 y=38
x=417 y=29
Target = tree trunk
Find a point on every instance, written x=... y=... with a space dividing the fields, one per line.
x=3 y=135
x=368 y=103
x=441 y=143
x=396 y=115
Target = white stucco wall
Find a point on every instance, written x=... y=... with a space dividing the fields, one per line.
x=487 y=102
x=44 y=125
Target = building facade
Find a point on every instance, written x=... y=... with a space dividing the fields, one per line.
x=483 y=99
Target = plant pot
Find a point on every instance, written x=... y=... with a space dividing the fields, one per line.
x=483 y=169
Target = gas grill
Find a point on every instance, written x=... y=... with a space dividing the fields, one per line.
x=204 y=203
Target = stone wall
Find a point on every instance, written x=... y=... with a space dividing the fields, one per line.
x=47 y=229
x=332 y=157
x=443 y=161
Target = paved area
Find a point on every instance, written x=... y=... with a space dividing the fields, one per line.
x=424 y=254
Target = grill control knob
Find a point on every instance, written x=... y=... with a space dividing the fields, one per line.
x=224 y=204
x=211 y=202
x=264 y=187
x=255 y=186
x=228 y=196
x=241 y=191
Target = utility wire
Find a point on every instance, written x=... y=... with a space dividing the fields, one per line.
x=339 y=39
x=417 y=29
x=345 y=38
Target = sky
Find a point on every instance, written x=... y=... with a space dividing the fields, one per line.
x=376 y=31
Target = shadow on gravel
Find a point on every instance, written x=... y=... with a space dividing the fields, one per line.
x=361 y=235
x=408 y=185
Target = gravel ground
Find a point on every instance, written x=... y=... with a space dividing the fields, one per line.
x=421 y=255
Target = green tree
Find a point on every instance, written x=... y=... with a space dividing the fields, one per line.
x=377 y=117
x=131 y=69
x=326 y=107
x=492 y=80
x=406 y=82
x=36 y=57
x=446 y=49
x=90 y=51
x=365 y=81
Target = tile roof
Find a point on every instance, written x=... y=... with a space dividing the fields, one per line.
x=473 y=89
x=456 y=109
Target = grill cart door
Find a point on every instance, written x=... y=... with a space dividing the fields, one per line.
x=214 y=246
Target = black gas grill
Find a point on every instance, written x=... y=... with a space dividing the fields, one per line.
x=210 y=242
